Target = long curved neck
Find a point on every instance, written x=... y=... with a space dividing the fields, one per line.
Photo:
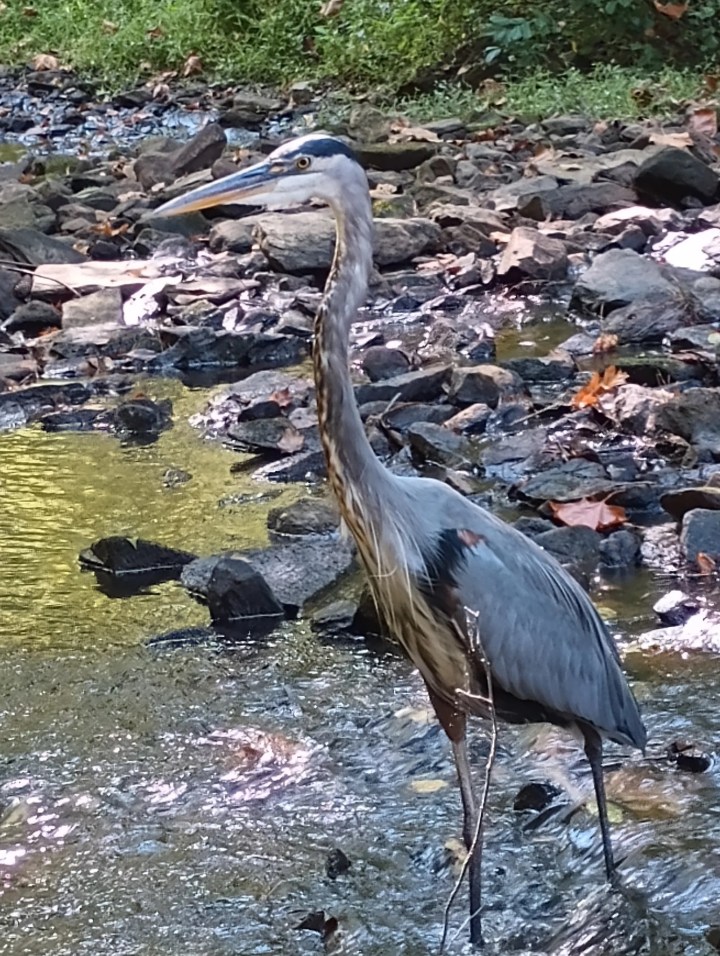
x=353 y=470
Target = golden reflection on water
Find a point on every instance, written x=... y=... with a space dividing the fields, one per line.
x=61 y=492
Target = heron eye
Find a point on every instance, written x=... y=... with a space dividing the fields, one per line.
x=302 y=162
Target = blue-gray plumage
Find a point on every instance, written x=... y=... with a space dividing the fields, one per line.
x=430 y=554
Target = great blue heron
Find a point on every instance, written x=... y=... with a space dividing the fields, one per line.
x=429 y=553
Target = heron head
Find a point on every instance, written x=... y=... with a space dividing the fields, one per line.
x=316 y=166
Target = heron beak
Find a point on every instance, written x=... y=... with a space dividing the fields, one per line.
x=248 y=187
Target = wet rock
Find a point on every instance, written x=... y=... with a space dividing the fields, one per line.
x=302 y=570
x=671 y=176
x=232 y=589
x=334 y=618
x=694 y=415
x=471 y=420
x=23 y=405
x=77 y=420
x=688 y=756
x=700 y=534
x=336 y=864
x=678 y=502
x=555 y=368
x=533 y=255
x=620 y=550
x=266 y=434
x=675 y=608
x=142 y=418
x=232 y=235
x=618 y=277
x=577 y=548
x=435 y=443
x=120 y=556
x=99 y=308
x=305 y=516
x=568 y=481
x=198 y=347
x=380 y=362
x=483 y=384
x=536 y=796
x=174 y=477
x=424 y=385
x=306 y=466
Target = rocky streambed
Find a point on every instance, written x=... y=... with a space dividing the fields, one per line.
x=199 y=688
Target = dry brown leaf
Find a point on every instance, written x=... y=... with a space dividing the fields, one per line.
x=281 y=396
x=45 y=61
x=192 y=66
x=154 y=33
x=29 y=12
x=291 y=441
x=161 y=91
x=598 y=515
x=605 y=342
x=331 y=8
x=428 y=786
x=675 y=11
x=598 y=385
x=109 y=27
x=705 y=563
x=712 y=81
x=704 y=121
x=680 y=140
x=402 y=132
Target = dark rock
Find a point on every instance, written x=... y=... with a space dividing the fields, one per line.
x=334 y=618
x=575 y=548
x=249 y=109
x=435 y=443
x=142 y=417
x=401 y=416
x=618 y=277
x=198 y=347
x=153 y=169
x=620 y=550
x=483 y=384
x=77 y=420
x=307 y=466
x=380 y=362
x=677 y=503
x=536 y=796
x=266 y=434
x=672 y=175
x=389 y=157
x=423 y=385
x=201 y=151
x=531 y=254
x=688 y=756
x=675 y=608
x=9 y=302
x=568 y=481
x=646 y=320
x=694 y=415
x=471 y=420
x=129 y=556
x=32 y=318
x=700 y=534
x=232 y=235
x=635 y=408
x=23 y=405
x=305 y=516
x=35 y=248
x=233 y=590
x=300 y=571
x=555 y=368
x=336 y=864
x=533 y=525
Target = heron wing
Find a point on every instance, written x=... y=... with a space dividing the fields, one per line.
x=543 y=639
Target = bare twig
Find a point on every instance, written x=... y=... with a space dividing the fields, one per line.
x=476 y=648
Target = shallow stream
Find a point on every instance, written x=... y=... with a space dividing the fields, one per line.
x=184 y=801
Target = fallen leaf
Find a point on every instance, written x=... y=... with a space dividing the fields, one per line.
x=107 y=229
x=155 y=33
x=428 y=786
x=590 y=393
x=705 y=563
x=598 y=515
x=45 y=61
x=109 y=27
x=291 y=441
x=675 y=11
x=679 y=140
x=704 y=121
x=29 y=12
x=401 y=131
x=161 y=91
x=192 y=66
x=712 y=81
x=331 y=8
x=282 y=396
x=605 y=342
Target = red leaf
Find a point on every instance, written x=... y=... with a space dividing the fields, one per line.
x=675 y=11
x=590 y=393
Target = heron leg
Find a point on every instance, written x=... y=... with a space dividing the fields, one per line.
x=455 y=726
x=593 y=752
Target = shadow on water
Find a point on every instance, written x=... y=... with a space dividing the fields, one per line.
x=185 y=800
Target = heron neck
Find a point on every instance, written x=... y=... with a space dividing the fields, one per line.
x=351 y=462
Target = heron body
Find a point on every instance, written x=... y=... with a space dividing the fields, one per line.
x=429 y=553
